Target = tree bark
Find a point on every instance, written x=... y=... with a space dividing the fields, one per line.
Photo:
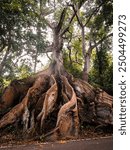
x=6 y=54
x=3 y=62
x=86 y=55
x=57 y=58
x=86 y=67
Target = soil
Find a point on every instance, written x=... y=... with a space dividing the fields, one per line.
x=104 y=143
x=12 y=136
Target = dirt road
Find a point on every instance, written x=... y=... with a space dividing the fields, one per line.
x=85 y=144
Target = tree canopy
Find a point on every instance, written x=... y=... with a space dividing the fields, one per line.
x=24 y=28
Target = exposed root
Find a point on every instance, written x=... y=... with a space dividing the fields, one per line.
x=49 y=102
x=67 y=121
x=67 y=87
x=25 y=118
x=15 y=92
x=39 y=105
x=69 y=102
x=68 y=114
x=103 y=97
x=12 y=115
x=22 y=107
x=84 y=90
x=96 y=103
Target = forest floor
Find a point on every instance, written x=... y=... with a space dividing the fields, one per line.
x=105 y=143
x=11 y=136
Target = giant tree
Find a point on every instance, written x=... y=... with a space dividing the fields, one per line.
x=52 y=103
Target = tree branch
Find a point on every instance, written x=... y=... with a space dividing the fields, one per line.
x=49 y=48
x=76 y=58
x=61 y=21
x=99 y=42
x=19 y=59
x=67 y=28
x=78 y=18
x=47 y=22
x=77 y=62
x=94 y=12
x=43 y=17
x=48 y=56
x=69 y=48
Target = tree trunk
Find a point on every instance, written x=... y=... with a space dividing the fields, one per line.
x=86 y=56
x=86 y=67
x=3 y=62
x=35 y=61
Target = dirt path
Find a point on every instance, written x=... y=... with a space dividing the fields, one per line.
x=85 y=144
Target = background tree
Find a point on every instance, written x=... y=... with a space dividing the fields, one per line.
x=21 y=35
x=101 y=74
x=95 y=18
